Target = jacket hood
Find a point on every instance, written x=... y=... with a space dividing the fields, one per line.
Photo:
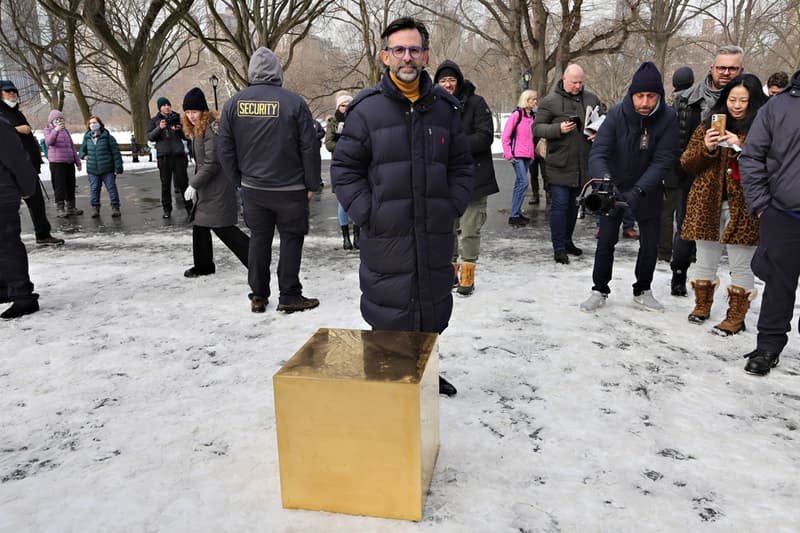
x=795 y=83
x=450 y=65
x=563 y=92
x=54 y=115
x=265 y=68
x=633 y=116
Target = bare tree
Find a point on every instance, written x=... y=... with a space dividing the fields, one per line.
x=137 y=36
x=521 y=30
x=233 y=29
x=659 y=20
x=37 y=45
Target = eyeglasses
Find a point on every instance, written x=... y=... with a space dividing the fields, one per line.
x=399 y=52
x=727 y=69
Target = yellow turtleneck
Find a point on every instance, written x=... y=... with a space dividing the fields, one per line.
x=409 y=90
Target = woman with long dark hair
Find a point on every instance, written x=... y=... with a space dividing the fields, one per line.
x=216 y=205
x=716 y=214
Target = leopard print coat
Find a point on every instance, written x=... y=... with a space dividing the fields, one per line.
x=704 y=204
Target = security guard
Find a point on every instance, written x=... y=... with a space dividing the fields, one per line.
x=268 y=146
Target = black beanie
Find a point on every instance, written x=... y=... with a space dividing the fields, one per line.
x=195 y=100
x=683 y=78
x=647 y=80
x=446 y=72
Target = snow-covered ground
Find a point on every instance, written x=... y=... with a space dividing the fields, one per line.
x=138 y=400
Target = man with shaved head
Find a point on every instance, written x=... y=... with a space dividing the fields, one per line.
x=560 y=121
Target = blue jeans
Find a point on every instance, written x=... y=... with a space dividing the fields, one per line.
x=520 y=185
x=343 y=220
x=563 y=214
x=96 y=183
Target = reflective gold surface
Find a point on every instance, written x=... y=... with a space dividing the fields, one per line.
x=357 y=415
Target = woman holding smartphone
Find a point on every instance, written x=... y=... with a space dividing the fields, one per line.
x=716 y=214
x=63 y=160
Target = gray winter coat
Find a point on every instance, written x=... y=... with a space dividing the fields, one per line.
x=769 y=161
x=217 y=202
x=567 y=161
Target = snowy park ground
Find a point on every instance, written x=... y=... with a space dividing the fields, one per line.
x=138 y=400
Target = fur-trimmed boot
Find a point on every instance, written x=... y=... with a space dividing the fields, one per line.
x=738 y=304
x=455 y=275
x=467 y=284
x=346 y=244
x=703 y=299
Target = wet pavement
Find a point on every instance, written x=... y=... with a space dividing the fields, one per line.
x=140 y=194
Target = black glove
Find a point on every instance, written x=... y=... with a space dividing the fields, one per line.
x=633 y=196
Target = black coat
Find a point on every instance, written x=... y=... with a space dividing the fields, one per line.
x=17 y=178
x=403 y=173
x=616 y=152
x=168 y=141
x=15 y=117
x=478 y=124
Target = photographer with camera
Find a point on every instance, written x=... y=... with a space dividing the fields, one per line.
x=165 y=130
x=635 y=148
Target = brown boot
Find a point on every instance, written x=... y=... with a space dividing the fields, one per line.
x=703 y=299
x=467 y=284
x=738 y=304
x=455 y=275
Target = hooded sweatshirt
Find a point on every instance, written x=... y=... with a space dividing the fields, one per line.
x=60 y=148
x=267 y=138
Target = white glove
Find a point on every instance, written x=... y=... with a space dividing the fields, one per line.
x=191 y=194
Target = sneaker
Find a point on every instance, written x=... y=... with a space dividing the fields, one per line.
x=517 y=221
x=258 y=305
x=595 y=301
x=760 y=362
x=21 y=308
x=572 y=249
x=560 y=256
x=630 y=233
x=647 y=301
x=446 y=388
x=299 y=303
x=49 y=241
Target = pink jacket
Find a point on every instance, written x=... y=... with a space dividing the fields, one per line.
x=523 y=141
x=60 y=148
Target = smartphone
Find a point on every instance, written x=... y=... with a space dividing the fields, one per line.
x=574 y=118
x=718 y=123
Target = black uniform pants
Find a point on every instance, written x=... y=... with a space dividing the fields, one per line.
x=682 y=251
x=607 y=241
x=62 y=176
x=35 y=203
x=169 y=166
x=235 y=239
x=15 y=284
x=263 y=212
x=777 y=262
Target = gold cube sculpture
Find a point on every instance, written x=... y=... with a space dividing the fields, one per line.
x=357 y=417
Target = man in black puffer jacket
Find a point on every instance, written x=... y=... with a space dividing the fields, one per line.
x=17 y=180
x=636 y=146
x=476 y=118
x=403 y=172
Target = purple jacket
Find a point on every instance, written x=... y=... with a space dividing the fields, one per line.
x=60 y=148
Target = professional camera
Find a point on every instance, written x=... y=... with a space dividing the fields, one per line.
x=599 y=197
x=173 y=120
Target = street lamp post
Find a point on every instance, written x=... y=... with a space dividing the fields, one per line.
x=214 y=82
x=526 y=80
